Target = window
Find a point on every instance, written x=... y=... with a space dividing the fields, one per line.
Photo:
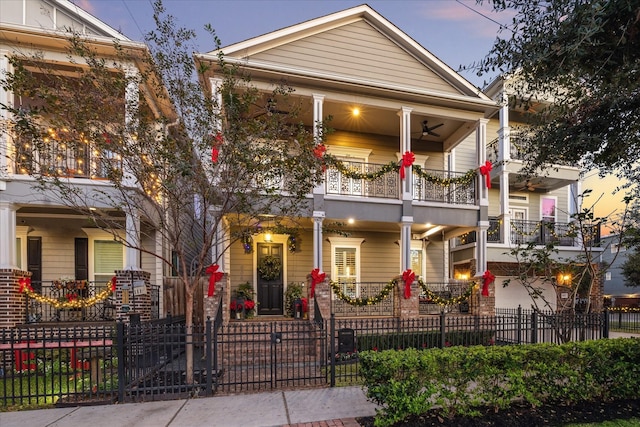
x=345 y=263
x=107 y=257
x=607 y=275
x=615 y=248
x=548 y=209
x=417 y=258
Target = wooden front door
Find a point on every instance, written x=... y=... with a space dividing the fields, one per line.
x=270 y=279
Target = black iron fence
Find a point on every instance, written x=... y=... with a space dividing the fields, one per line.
x=58 y=365
x=148 y=361
x=623 y=319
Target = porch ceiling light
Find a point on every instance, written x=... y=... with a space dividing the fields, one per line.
x=351 y=221
x=434 y=230
x=355 y=111
x=267 y=237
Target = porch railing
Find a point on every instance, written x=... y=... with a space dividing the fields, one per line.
x=446 y=290
x=104 y=310
x=362 y=290
x=538 y=232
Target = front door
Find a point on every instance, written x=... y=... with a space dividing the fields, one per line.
x=270 y=279
x=34 y=261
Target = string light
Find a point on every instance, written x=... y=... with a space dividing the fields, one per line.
x=71 y=300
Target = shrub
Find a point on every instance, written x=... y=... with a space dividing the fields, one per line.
x=461 y=380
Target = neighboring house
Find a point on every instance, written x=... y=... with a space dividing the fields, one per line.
x=615 y=289
x=38 y=234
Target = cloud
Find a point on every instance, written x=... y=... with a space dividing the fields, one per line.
x=482 y=23
x=86 y=5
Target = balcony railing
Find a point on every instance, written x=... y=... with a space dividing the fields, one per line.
x=79 y=160
x=443 y=191
x=516 y=152
x=538 y=232
x=387 y=186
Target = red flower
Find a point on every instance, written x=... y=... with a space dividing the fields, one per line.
x=71 y=297
x=249 y=305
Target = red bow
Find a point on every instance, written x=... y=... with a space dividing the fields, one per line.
x=319 y=150
x=316 y=277
x=25 y=283
x=407 y=160
x=214 y=155
x=409 y=277
x=485 y=170
x=487 y=278
x=113 y=283
x=214 y=277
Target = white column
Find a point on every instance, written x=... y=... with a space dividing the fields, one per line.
x=318 y=218
x=481 y=248
x=318 y=102
x=132 y=253
x=505 y=230
x=405 y=243
x=130 y=117
x=405 y=145
x=481 y=149
x=504 y=133
x=4 y=115
x=8 y=232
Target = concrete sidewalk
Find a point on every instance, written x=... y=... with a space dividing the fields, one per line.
x=278 y=408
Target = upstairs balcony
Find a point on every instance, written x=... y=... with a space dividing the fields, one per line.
x=537 y=232
x=563 y=174
x=51 y=157
x=430 y=185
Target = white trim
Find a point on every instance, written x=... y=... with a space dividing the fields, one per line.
x=512 y=198
x=350 y=152
x=94 y=234
x=21 y=234
x=350 y=243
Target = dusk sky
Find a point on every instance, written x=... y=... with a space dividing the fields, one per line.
x=459 y=32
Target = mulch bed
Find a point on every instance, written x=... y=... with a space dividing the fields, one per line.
x=547 y=415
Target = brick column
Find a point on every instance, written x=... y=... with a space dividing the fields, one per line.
x=13 y=304
x=222 y=295
x=322 y=297
x=127 y=281
x=481 y=305
x=407 y=308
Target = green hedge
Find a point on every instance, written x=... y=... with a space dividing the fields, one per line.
x=461 y=380
x=422 y=339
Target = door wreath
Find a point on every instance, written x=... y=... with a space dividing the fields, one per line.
x=269 y=268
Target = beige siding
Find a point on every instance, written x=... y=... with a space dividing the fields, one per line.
x=435 y=262
x=466 y=157
x=356 y=50
x=379 y=257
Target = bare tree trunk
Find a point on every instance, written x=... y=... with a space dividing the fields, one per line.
x=189 y=331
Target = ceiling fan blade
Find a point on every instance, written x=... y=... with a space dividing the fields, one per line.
x=434 y=134
x=436 y=126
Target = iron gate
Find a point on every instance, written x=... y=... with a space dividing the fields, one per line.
x=251 y=356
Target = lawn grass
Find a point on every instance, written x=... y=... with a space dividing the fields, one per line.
x=633 y=422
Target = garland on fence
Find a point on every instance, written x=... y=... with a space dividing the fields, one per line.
x=71 y=300
x=364 y=301
x=361 y=302
x=392 y=166
x=446 y=301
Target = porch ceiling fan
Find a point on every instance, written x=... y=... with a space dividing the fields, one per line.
x=271 y=107
x=429 y=130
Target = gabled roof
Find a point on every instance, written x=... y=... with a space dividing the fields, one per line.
x=322 y=48
x=55 y=15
